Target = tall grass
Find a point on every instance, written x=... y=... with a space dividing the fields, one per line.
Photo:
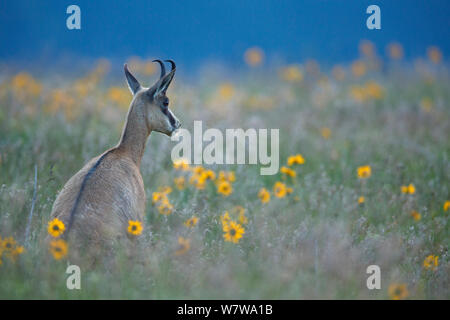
x=314 y=243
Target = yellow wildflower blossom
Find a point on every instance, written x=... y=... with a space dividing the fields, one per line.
x=134 y=227
x=279 y=189
x=361 y=200
x=58 y=248
x=364 y=172
x=288 y=171
x=179 y=183
x=56 y=228
x=358 y=69
x=233 y=232
x=181 y=164
x=434 y=54
x=398 y=291
x=224 y=188
x=431 y=262
x=325 y=132
x=165 y=208
x=408 y=189
x=254 y=56
x=416 y=216
x=225 y=218
x=264 y=195
x=295 y=159
x=395 y=51
x=446 y=205
x=191 y=222
x=183 y=246
x=291 y=74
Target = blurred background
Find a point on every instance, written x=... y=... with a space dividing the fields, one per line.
x=34 y=34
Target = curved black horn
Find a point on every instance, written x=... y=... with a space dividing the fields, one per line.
x=172 y=63
x=163 y=68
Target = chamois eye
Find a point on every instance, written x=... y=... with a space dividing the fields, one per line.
x=165 y=102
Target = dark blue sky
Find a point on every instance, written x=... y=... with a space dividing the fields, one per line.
x=191 y=32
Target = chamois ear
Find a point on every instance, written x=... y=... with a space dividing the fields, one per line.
x=133 y=84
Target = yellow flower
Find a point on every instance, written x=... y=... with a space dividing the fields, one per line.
x=374 y=90
x=358 y=93
x=431 y=262
x=325 y=132
x=225 y=188
x=159 y=196
x=134 y=227
x=416 y=216
x=226 y=91
x=198 y=170
x=279 y=189
x=226 y=176
x=358 y=69
x=18 y=250
x=165 y=189
x=208 y=174
x=58 y=248
x=149 y=68
x=409 y=189
x=56 y=228
x=198 y=180
x=240 y=211
x=367 y=48
x=398 y=291
x=25 y=83
x=295 y=159
x=361 y=200
x=288 y=171
x=225 y=218
x=254 y=56
x=446 y=205
x=264 y=195
x=191 y=222
x=426 y=104
x=242 y=218
x=395 y=51
x=179 y=182
x=291 y=74
x=434 y=54
x=165 y=208
x=7 y=245
x=181 y=164
x=120 y=96
x=183 y=246
x=364 y=172
x=233 y=232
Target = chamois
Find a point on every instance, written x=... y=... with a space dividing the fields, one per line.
x=98 y=201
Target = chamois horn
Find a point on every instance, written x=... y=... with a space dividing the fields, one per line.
x=172 y=63
x=163 y=68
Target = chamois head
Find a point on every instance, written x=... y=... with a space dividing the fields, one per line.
x=153 y=101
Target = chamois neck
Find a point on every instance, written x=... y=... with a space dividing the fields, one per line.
x=134 y=135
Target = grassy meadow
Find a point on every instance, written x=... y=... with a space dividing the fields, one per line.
x=365 y=152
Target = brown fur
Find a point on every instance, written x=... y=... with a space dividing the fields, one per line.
x=99 y=200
